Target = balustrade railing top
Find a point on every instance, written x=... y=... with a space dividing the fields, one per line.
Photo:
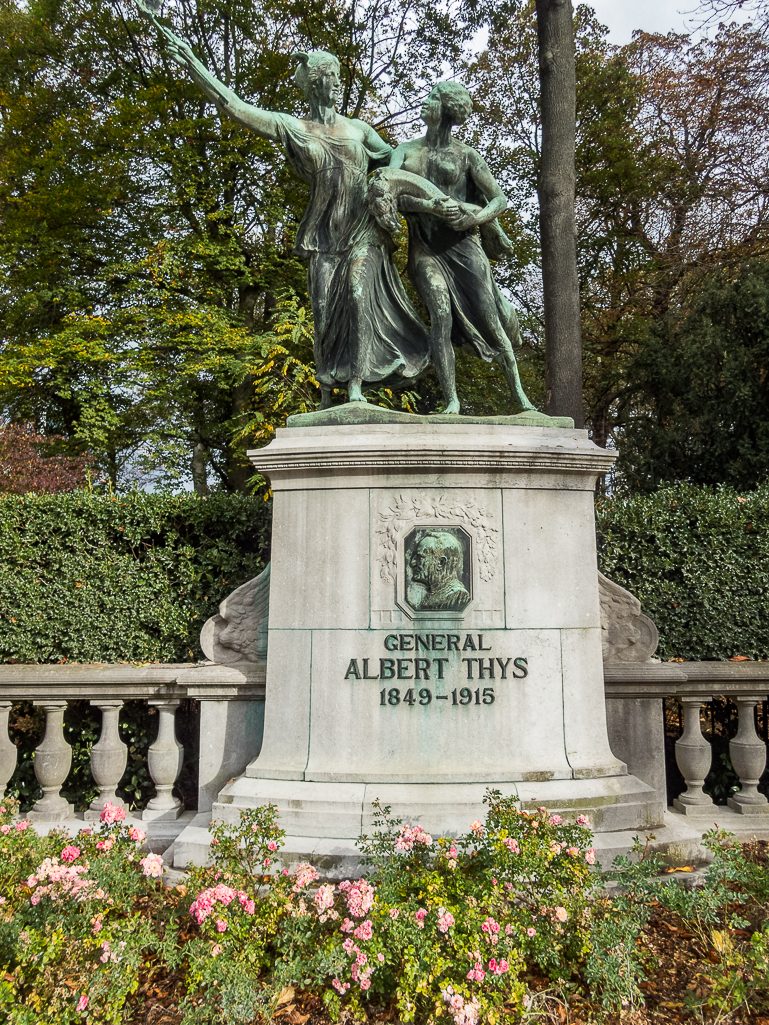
x=679 y=679
x=227 y=694
x=94 y=681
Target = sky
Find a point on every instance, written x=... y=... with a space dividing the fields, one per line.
x=622 y=16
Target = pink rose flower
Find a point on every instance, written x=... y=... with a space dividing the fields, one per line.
x=152 y=865
x=583 y=820
x=445 y=922
x=561 y=914
x=112 y=813
x=70 y=853
x=221 y=925
x=82 y=1003
x=590 y=856
x=531 y=932
x=137 y=835
x=272 y=846
x=394 y=913
x=555 y=820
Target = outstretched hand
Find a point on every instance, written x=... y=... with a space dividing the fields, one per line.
x=178 y=50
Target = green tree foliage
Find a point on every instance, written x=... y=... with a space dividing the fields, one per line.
x=146 y=242
x=89 y=578
x=151 y=310
x=701 y=387
x=698 y=560
x=672 y=170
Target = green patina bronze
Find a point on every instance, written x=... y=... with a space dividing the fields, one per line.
x=366 y=331
x=365 y=413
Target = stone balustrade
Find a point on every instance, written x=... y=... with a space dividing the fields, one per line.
x=231 y=721
x=635 y=716
x=232 y=714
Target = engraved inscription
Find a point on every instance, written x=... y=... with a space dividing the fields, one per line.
x=439 y=671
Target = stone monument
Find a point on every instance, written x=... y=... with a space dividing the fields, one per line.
x=430 y=624
x=434 y=627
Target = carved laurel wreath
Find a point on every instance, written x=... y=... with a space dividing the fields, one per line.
x=406 y=511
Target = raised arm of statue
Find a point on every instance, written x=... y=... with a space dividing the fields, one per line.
x=263 y=122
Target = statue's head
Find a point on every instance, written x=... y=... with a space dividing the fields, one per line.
x=318 y=76
x=383 y=202
x=447 y=100
x=436 y=559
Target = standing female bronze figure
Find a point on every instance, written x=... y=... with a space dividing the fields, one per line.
x=447 y=262
x=366 y=331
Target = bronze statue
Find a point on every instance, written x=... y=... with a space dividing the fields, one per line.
x=436 y=563
x=447 y=262
x=366 y=331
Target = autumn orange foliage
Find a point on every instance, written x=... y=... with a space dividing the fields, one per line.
x=27 y=464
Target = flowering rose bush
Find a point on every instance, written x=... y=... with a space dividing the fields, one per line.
x=445 y=926
x=71 y=944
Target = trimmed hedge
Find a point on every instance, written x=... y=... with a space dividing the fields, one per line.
x=100 y=578
x=698 y=561
x=86 y=577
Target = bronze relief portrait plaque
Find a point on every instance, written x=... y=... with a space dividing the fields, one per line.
x=438 y=568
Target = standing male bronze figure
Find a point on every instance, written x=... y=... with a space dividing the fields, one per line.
x=447 y=262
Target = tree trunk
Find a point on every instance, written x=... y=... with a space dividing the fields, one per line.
x=198 y=466
x=558 y=233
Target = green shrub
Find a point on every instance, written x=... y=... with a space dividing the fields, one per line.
x=698 y=561
x=100 y=578
x=80 y=920
x=443 y=928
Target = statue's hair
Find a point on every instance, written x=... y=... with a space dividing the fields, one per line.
x=311 y=66
x=455 y=100
x=447 y=545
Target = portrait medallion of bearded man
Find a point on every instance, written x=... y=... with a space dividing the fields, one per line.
x=437 y=563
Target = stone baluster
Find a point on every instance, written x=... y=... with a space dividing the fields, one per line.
x=108 y=760
x=693 y=755
x=748 y=754
x=164 y=759
x=7 y=748
x=53 y=758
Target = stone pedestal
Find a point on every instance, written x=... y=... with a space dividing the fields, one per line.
x=434 y=628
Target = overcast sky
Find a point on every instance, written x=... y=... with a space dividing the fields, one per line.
x=622 y=16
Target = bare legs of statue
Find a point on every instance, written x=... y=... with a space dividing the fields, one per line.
x=431 y=286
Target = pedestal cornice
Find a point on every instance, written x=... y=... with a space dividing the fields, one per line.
x=405 y=455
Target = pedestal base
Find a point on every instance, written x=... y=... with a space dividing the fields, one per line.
x=434 y=627
x=345 y=810
x=748 y=807
x=59 y=813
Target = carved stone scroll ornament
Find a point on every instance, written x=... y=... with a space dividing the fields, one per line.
x=407 y=510
x=239 y=632
x=627 y=634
